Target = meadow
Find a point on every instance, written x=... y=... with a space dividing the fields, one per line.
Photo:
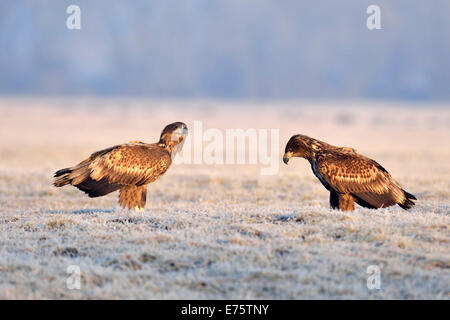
x=218 y=231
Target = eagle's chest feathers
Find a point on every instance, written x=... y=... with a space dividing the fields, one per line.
x=317 y=174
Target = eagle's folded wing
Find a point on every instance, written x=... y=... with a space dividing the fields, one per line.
x=360 y=176
x=130 y=164
x=349 y=173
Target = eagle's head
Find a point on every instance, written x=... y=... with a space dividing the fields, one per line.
x=302 y=146
x=173 y=136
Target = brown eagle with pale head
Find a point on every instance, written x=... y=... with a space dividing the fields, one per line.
x=127 y=167
x=349 y=176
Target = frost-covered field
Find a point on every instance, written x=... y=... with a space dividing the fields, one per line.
x=221 y=231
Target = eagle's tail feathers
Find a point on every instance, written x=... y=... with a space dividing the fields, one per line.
x=409 y=195
x=409 y=201
x=74 y=175
x=62 y=177
x=61 y=172
x=77 y=177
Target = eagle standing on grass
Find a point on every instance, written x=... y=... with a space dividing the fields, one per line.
x=349 y=176
x=127 y=167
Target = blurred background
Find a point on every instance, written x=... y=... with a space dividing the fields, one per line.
x=227 y=49
x=221 y=231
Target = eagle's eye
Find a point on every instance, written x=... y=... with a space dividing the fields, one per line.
x=179 y=133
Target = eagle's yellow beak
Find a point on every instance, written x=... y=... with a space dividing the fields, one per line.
x=286 y=157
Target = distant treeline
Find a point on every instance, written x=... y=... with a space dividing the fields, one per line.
x=227 y=49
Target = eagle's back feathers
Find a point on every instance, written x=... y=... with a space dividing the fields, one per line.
x=131 y=164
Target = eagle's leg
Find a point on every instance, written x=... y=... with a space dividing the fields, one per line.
x=346 y=202
x=133 y=197
x=334 y=200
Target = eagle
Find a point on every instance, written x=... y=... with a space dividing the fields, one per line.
x=349 y=176
x=128 y=167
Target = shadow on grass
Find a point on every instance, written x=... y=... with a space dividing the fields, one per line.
x=80 y=211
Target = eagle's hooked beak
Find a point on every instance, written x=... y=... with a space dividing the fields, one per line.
x=286 y=157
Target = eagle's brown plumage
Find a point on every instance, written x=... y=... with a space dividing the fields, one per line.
x=127 y=167
x=349 y=176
